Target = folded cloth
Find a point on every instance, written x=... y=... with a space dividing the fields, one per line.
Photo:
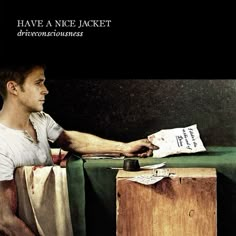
x=43 y=200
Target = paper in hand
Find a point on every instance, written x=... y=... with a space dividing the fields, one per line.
x=176 y=141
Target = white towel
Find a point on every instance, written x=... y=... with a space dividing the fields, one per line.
x=43 y=200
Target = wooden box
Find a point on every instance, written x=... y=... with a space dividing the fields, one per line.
x=184 y=205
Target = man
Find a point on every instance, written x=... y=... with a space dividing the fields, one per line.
x=24 y=134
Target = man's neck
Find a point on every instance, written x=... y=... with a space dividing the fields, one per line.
x=14 y=118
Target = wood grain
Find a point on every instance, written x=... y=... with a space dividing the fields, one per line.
x=183 y=205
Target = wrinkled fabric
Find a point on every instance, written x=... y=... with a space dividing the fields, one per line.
x=43 y=200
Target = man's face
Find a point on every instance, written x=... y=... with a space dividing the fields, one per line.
x=32 y=93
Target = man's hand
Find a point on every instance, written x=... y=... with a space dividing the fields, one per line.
x=58 y=155
x=139 y=148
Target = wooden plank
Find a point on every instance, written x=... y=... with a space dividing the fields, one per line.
x=181 y=172
x=183 y=205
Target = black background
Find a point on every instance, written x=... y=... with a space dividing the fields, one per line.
x=159 y=65
x=170 y=39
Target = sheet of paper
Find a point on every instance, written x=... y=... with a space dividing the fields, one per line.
x=156 y=176
x=155 y=166
x=146 y=179
x=148 y=167
x=176 y=141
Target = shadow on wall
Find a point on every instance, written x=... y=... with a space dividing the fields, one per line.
x=129 y=109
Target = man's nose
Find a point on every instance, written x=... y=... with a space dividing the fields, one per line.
x=45 y=90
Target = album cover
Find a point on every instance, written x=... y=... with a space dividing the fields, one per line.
x=123 y=71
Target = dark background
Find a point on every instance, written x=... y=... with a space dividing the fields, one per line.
x=162 y=65
x=129 y=109
x=171 y=39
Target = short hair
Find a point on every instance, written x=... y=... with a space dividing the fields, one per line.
x=17 y=73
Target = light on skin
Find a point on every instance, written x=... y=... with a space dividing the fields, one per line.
x=24 y=99
x=35 y=89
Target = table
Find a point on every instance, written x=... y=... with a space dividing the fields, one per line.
x=92 y=189
x=182 y=204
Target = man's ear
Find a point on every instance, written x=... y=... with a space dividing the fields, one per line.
x=12 y=87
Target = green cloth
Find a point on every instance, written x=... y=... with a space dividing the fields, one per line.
x=76 y=187
x=92 y=189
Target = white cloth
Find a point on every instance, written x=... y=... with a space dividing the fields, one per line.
x=43 y=200
x=18 y=149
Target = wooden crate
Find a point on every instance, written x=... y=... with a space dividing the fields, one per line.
x=181 y=206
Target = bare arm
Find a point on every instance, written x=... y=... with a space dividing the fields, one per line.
x=85 y=143
x=10 y=224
